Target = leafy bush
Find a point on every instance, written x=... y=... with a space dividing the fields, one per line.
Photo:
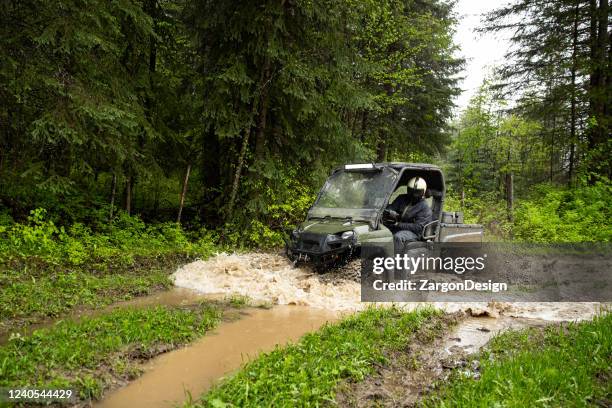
x=283 y=208
x=548 y=214
x=565 y=215
x=124 y=238
x=486 y=209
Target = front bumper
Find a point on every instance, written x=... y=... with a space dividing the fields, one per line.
x=317 y=249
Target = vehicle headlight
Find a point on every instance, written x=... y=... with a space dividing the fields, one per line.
x=332 y=237
x=347 y=234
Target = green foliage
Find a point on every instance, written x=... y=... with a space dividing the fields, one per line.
x=559 y=72
x=489 y=144
x=561 y=366
x=548 y=214
x=305 y=374
x=125 y=237
x=66 y=354
x=284 y=206
x=566 y=215
x=139 y=91
x=46 y=270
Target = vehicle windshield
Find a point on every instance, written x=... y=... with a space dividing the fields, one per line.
x=353 y=194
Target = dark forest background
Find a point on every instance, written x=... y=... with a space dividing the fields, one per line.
x=226 y=116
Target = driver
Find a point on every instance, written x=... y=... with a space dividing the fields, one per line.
x=408 y=213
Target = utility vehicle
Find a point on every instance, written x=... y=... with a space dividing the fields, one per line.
x=347 y=214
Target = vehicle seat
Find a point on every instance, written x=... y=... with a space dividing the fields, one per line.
x=435 y=203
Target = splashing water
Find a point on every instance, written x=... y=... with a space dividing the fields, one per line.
x=268 y=278
x=272 y=278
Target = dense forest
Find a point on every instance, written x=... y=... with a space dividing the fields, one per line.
x=228 y=115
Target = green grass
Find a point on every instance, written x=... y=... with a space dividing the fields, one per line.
x=87 y=354
x=30 y=292
x=561 y=366
x=306 y=373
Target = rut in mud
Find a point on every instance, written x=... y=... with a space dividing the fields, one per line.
x=444 y=344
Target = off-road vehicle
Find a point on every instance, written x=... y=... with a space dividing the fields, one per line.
x=347 y=214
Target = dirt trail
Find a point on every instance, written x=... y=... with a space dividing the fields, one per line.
x=412 y=372
x=314 y=299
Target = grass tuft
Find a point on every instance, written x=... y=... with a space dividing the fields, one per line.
x=88 y=354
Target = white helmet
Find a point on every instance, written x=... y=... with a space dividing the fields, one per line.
x=418 y=186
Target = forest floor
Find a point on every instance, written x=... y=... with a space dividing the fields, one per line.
x=34 y=291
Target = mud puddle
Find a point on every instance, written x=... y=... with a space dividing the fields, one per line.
x=195 y=368
x=315 y=299
x=272 y=278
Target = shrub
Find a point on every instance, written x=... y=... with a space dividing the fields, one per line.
x=555 y=214
x=124 y=238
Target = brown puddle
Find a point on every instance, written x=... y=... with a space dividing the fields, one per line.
x=198 y=366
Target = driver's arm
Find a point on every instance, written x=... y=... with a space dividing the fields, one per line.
x=397 y=205
x=421 y=216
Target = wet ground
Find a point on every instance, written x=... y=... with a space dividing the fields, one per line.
x=302 y=300
x=194 y=369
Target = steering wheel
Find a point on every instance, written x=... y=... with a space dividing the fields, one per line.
x=389 y=217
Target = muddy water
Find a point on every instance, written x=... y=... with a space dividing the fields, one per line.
x=272 y=278
x=195 y=368
x=269 y=278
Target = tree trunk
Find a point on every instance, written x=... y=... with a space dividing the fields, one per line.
x=552 y=146
x=112 y=198
x=364 y=125
x=570 y=174
x=128 y=195
x=381 y=149
x=237 y=173
x=510 y=194
x=598 y=134
x=156 y=198
x=260 y=139
x=183 y=193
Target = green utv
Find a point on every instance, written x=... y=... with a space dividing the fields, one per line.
x=348 y=215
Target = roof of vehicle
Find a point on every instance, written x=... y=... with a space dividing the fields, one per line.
x=401 y=165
